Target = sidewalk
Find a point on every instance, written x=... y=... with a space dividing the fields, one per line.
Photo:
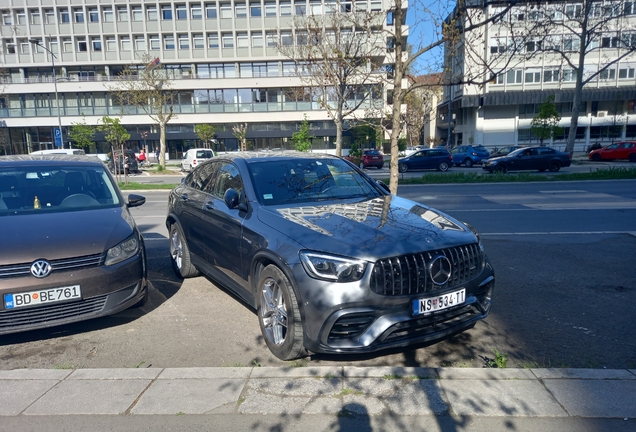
x=333 y=391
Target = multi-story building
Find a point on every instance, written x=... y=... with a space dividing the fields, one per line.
x=499 y=112
x=221 y=54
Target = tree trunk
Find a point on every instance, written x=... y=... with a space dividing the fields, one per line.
x=162 y=145
x=338 y=121
x=398 y=97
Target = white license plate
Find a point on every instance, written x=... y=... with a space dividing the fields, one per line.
x=40 y=297
x=441 y=302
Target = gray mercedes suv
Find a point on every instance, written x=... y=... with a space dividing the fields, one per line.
x=329 y=259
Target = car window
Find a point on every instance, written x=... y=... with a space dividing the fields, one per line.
x=227 y=176
x=629 y=145
x=201 y=177
x=42 y=188
x=420 y=154
x=545 y=151
x=371 y=152
x=613 y=146
x=480 y=148
x=308 y=180
x=207 y=154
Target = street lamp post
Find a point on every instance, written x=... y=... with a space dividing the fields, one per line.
x=36 y=42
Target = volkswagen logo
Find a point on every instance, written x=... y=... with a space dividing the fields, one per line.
x=40 y=268
x=440 y=270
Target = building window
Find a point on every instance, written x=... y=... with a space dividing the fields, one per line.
x=25 y=47
x=376 y=5
x=154 y=42
x=607 y=74
x=255 y=9
x=300 y=7
x=122 y=13
x=195 y=11
x=184 y=41
x=81 y=45
x=626 y=73
x=213 y=40
x=6 y=18
x=242 y=40
x=609 y=41
x=573 y=11
x=140 y=43
x=64 y=16
x=96 y=44
x=257 y=40
x=151 y=11
x=93 y=15
x=301 y=38
x=551 y=75
x=226 y=11
x=53 y=45
x=35 y=17
x=285 y=8
x=197 y=41
x=286 y=38
x=569 y=75
x=168 y=42
x=9 y=47
x=78 y=15
x=315 y=7
x=533 y=76
x=514 y=76
x=49 y=16
x=227 y=40
x=181 y=12
x=166 y=12
x=272 y=38
x=111 y=43
x=240 y=10
x=67 y=45
x=109 y=16
x=270 y=9
x=210 y=11
x=571 y=43
x=125 y=44
x=137 y=13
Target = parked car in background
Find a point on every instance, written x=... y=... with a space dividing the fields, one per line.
x=59 y=151
x=529 y=158
x=369 y=158
x=116 y=164
x=437 y=158
x=70 y=248
x=504 y=151
x=195 y=156
x=620 y=150
x=330 y=260
x=469 y=155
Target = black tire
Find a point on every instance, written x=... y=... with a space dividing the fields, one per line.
x=596 y=157
x=403 y=168
x=554 y=166
x=457 y=164
x=443 y=166
x=278 y=314
x=468 y=163
x=180 y=253
x=361 y=165
x=632 y=157
x=380 y=166
x=501 y=168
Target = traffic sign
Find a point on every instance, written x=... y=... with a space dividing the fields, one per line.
x=58 y=137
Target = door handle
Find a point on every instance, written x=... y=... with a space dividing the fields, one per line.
x=209 y=205
x=184 y=197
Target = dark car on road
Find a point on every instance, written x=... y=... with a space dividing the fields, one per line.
x=469 y=155
x=528 y=159
x=504 y=151
x=620 y=150
x=329 y=259
x=437 y=158
x=117 y=164
x=70 y=248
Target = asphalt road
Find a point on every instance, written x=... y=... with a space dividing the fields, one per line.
x=566 y=289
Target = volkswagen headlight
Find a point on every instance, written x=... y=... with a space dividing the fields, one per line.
x=329 y=267
x=124 y=250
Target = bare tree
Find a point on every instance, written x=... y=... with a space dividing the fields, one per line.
x=147 y=86
x=337 y=55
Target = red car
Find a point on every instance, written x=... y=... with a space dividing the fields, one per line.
x=620 y=150
x=370 y=158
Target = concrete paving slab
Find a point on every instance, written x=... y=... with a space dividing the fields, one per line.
x=261 y=403
x=305 y=372
x=35 y=374
x=388 y=371
x=569 y=373
x=188 y=396
x=16 y=396
x=115 y=374
x=323 y=405
x=371 y=386
x=422 y=397
x=206 y=373
x=484 y=374
x=362 y=405
x=89 y=397
x=595 y=398
x=310 y=387
x=500 y=398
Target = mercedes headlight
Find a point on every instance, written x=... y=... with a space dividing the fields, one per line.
x=124 y=250
x=474 y=231
x=329 y=267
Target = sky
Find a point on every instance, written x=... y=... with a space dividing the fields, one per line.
x=424 y=18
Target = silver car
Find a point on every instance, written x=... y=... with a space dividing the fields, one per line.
x=329 y=259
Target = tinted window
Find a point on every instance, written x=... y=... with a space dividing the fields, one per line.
x=200 y=177
x=371 y=152
x=207 y=154
x=308 y=180
x=226 y=177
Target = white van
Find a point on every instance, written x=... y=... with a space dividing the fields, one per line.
x=195 y=156
x=59 y=151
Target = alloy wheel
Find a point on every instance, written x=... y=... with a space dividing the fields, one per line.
x=274 y=312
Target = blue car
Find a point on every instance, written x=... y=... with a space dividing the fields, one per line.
x=468 y=155
x=437 y=158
